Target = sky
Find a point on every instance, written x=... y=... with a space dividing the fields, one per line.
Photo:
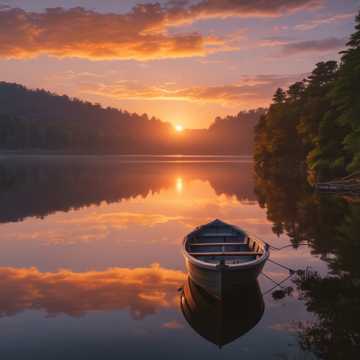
x=183 y=61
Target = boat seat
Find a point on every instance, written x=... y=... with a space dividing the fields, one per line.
x=217 y=247
x=220 y=244
x=211 y=234
x=220 y=239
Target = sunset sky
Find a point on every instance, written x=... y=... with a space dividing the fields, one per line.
x=184 y=61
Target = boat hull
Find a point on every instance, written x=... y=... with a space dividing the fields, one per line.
x=222 y=280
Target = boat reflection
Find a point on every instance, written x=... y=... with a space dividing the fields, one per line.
x=222 y=321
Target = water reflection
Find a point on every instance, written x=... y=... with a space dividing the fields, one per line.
x=94 y=213
x=179 y=185
x=39 y=186
x=105 y=221
x=335 y=299
x=222 y=321
x=331 y=227
x=141 y=291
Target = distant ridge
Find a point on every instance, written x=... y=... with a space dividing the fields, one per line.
x=38 y=120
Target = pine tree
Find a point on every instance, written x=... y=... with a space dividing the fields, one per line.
x=279 y=96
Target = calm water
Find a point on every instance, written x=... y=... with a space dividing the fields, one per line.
x=90 y=261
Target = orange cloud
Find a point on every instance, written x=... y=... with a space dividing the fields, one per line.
x=140 y=34
x=249 y=91
x=87 y=34
x=142 y=291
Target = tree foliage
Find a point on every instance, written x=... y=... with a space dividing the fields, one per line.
x=315 y=124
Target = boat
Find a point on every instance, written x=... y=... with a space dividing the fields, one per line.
x=222 y=321
x=220 y=257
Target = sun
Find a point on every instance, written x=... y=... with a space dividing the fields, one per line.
x=179 y=128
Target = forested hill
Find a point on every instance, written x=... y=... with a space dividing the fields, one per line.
x=313 y=128
x=39 y=120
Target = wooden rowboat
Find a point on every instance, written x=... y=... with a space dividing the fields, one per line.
x=221 y=257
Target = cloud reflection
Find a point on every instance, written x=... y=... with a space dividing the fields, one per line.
x=141 y=291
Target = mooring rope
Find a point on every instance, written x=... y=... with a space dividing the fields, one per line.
x=291 y=271
x=277 y=284
x=275 y=247
x=285 y=246
x=271 y=279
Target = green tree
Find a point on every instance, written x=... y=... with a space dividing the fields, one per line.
x=296 y=91
x=315 y=124
x=346 y=99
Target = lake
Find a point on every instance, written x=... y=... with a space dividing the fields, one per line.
x=91 y=264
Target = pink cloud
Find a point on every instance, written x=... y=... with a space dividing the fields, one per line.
x=312 y=24
x=322 y=45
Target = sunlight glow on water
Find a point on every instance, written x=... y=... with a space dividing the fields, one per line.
x=94 y=255
x=179 y=185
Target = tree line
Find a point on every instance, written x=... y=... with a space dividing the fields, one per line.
x=39 y=120
x=312 y=132
x=314 y=126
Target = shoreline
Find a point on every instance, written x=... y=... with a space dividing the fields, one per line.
x=126 y=158
x=128 y=155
